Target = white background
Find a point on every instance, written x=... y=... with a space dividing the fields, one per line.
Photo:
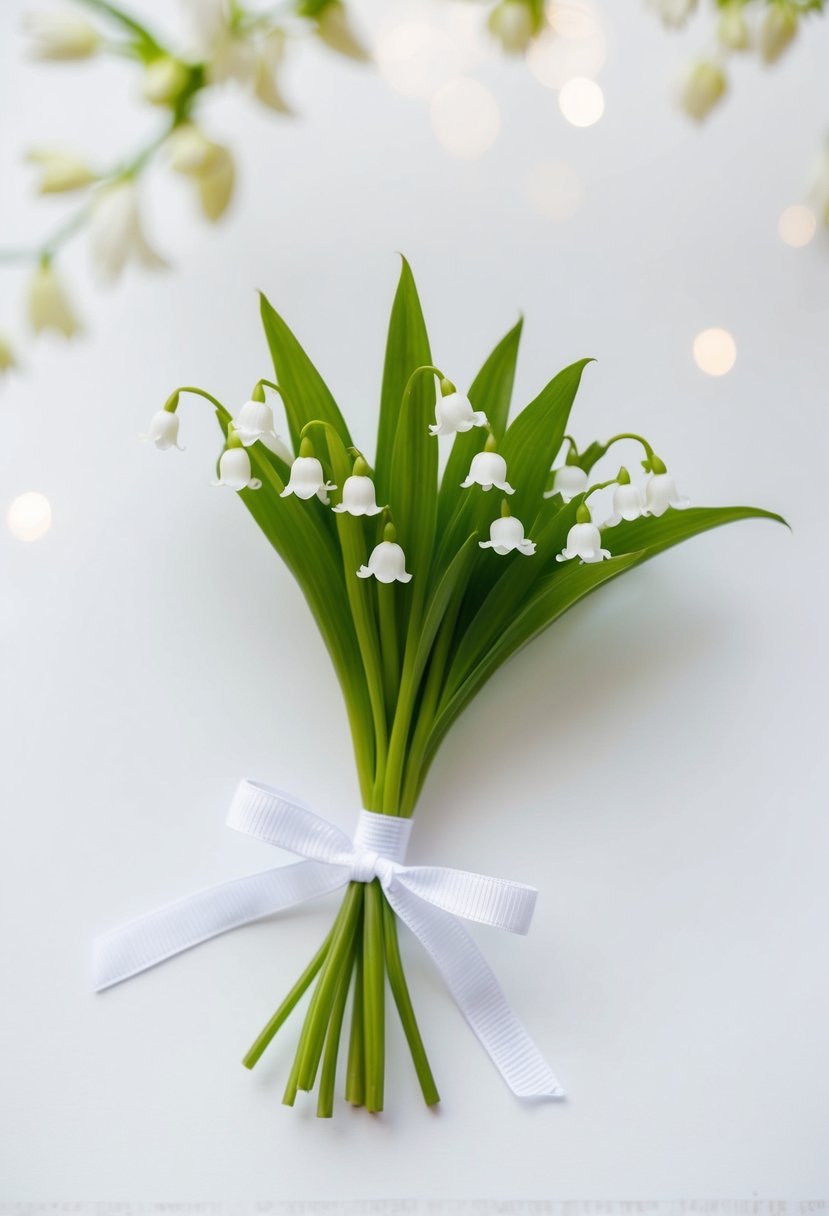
x=656 y=764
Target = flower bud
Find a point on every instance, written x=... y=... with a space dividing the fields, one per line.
x=60 y=35
x=777 y=30
x=48 y=304
x=165 y=79
x=163 y=430
x=514 y=25
x=705 y=85
x=8 y=362
x=334 y=29
x=59 y=171
x=733 y=29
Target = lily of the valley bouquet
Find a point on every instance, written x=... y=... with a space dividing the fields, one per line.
x=422 y=586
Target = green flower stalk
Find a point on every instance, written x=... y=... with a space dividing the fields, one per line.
x=420 y=601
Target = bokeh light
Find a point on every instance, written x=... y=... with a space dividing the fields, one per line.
x=556 y=57
x=715 y=351
x=29 y=516
x=797 y=225
x=554 y=190
x=417 y=59
x=581 y=101
x=465 y=118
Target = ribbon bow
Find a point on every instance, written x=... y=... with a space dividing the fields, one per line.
x=429 y=899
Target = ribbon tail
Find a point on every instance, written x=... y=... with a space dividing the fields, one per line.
x=159 y=935
x=480 y=997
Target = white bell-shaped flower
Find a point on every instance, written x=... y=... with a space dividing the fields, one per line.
x=49 y=307
x=387 y=562
x=8 y=360
x=358 y=492
x=628 y=501
x=60 y=170
x=661 y=493
x=163 y=431
x=62 y=34
x=703 y=87
x=514 y=24
x=454 y=413
x=235 y=471
x=777 y=30
x=506 y=534
x=568 y=481
x=307 y=477
x=584 y=540
x=488 y=469
x=254 y=421
x=116 y=235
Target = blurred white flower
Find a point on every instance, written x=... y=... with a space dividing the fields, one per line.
x=59 y=170
x=48 y=303
x=387 y=564
x=60 y=34
x=505 y=534
x=334 y=28
x=207 y=22
x=359 y=496
x=307 y=479
x=584 y=540
x=488 y=469
x=733 y=29
x=209 y=164
x=777 y=29
x=673 y=13
x=235 y=471
x=703 y=86
x=661 y=493
x=514 y=25
x=115 y=233
x=165 y=78
x=8 y=362
x=252 y=61
x=454 y=413
x=163 y=431
x=569 y=480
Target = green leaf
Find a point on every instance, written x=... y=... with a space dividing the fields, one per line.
x=561 y=590
x=656 y=533
x=533 y=439
x=304 y=391
x=407 y=347
x=448 y=590
x=491 y=392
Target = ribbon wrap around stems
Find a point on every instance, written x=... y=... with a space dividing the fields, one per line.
x=429 y=899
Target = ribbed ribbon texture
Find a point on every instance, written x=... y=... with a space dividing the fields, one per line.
x=431 y=900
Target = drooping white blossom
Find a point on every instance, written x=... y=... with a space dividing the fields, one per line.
x=702 y=88
x=60 y=34
x=307 y=479
x=387 y=564
x=628 y=504
x=661 y=493
x=454 y=413
x=673 y=13
x=488 y=469
x=506 y=534
x=59 y=170
x=777 y=30
x=512 y=23
x=334 y=28
x=48 y=304
x=165 y=78
x=8 y=361
x=210 y=165
x=733 y=30
x=115 y=232
x=235 y=471
x=569 y=481
x=584 y=540
x=163 y=430
x=359 y=496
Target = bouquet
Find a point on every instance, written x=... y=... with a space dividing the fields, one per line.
x=422 y=587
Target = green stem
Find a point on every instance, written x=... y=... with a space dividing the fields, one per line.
x=428 y=706
x=319 y=1011
x=374 y=982
x=328 y=1076
x=387 y=614
x=128 y=23
x=400 y=992
x=355 y=1077
x=291 y=1000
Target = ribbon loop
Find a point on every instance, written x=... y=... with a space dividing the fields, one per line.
x=429 y=899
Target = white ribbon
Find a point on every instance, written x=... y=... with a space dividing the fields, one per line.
x=429 y=899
